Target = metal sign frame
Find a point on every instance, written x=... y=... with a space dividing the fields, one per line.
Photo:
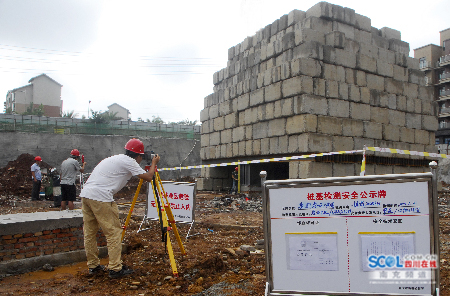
x=429 y=178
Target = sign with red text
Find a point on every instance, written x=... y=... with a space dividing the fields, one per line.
x=181 y=196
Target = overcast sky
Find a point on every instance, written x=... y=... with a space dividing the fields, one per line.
x=157 y=58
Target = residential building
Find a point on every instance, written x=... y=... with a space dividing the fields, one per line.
x=41 y=90
x=434 y=60
x=122 y=112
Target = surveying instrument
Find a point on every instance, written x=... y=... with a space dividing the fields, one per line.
x=165 y=215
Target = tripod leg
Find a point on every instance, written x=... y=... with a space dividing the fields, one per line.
x=131 y=208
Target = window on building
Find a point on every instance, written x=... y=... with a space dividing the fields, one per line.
x=446 y=140
x=422 y=62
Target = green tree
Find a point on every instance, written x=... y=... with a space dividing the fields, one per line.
x=98 y=117
x=185 y=122
x=69 y=114
x=157 y=119
x=39 y=111
x=9 y=111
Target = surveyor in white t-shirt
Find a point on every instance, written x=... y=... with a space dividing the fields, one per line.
x=100 y=210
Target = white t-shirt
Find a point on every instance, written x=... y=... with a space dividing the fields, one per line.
x=109 y=176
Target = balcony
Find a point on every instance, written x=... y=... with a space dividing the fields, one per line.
x=444 y=60
x=443 y=94
x=425 y=65
x=444 y=125
x=444 y=111
x=444 y=77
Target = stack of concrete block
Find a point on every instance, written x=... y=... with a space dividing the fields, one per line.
x=318 y=81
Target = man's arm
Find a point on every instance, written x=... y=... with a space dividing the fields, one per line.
x=82 y=169
x=148 y=176
x=33 y=175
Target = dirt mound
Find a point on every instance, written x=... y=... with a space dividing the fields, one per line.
x=15 y=177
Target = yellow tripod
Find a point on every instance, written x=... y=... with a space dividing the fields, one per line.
x=165 y=218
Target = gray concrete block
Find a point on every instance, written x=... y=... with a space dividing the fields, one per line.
x=416 y=76
x=386 y=56
x=329 y=125
x=375 y=82
x=345 y=58
x=354 y=94
x=249 y=132
x=399 y=46
x=305 y=66
x=413 y=121
x=214 y=111
x=412 y=63
x=257 y=97
x=219 y=123
x=239 y=134
x=352 y=46
x=283 y=108
x=312 y=169
x=425 y=93
x=335 y=39
x=352 y=128
x=393 y=86
x=373 y=130
x=363 y=23
x=225 y=108
x=329 y=54
x=410 y=105
x=369 y=50
x=344 y=169
x=348 y=30
x=389 y=33
x=342 y=143
x=226 y=136
x=343 y=91
x=277 y=127
x=391 y=132
x=241 y=148
x=379 y=115
x=288 y=41
x=303 y=35
x=397 y=118
x=421 y=137
x=204 y=114
x=310 y=104
x=360 y=78
x=321 y=10
x=295 y=16
x=386 y=99
x=319 y=87
x=350 y=76
x=274 y=28
x=365 y=95
x=366 y=63
x=362 y=37
x=338 y=108
x=256 y=147
x=315 y=142
x=265 y=146
x=380 y=41
x=311 y=49
x=297 y=85
x=401 y=59
x=429 y=123
x=410 y=90
x=204 y=140
x=329 y=72
x=359 y=111
x=269 y=111
x=331 y=89
x=272 y=92
x=214 y=138
x=385 y=69
x=260 y=130
x=401 y=103
x=383 y=169
x=301 y=124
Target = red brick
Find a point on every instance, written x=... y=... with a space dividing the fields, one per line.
x=10 y=241
x=74 y=238
x=8 y=247
x=27 y=235
x=49 y=236
x=19 y=235
x=18 y=246
x=48 y=252
x=38 y=233
x=28 y=255
x=56 y=241
x=73 y=229
x=28 y=239
x=6 y=258
x=30 y=244
x=46 y=232
x=20 y=256
x=7 y=237
x=56 y=230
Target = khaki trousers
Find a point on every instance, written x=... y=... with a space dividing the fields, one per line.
x=105 y=215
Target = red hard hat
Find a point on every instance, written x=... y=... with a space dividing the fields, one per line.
x=75 y=152
x=236 y=169
x=135 y=145
x=38 y=158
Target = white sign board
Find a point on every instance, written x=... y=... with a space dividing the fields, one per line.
x=321 y=237
x=181 y=197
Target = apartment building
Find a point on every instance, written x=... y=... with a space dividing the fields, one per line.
x=41 y=90
x=434 y=60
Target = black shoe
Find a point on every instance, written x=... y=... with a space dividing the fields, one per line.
x=123 y=272
x=96 y=270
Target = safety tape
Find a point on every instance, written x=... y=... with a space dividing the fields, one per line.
x=258 y=160
x=377 y=149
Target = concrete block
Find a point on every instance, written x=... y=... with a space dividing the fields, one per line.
x=283 y=108
x=352 y=128
x=204 y=184
x=363 y=23
x=316 y=142
x=312 y=169
x=360 y=78
x=380 y=41
x=366 y=63
x=310 y=49
x=416 y=76
x=369 y=50
x=410 y=105
x=373 y=130
x=343 y=91
x=412 y=63
x=286 y=71
x=248 y=132
x=331 y=89
x=321 y=10
x=256 y=147
x=277 y=127
x=297 y=85
x=342 y=143
x=354 y=94
x=231 y=120
x=401 y=59
x=213 y=111
x=385 y=69
x=397 y=118
x=344 y=169
x=329 y=54
x=274 y=28
x=204 y=114
x=319 y=87
x=272 y=92
x=427 y=108
x=335 y=39
x=260 y=130
x=226 y=136
x=301 y=124
x=429 y=123
x=329 y=72
x=365 y=95
x=379 y=115
x=375 y=82
x=410 y=90
x=348 y=30
x=293 y=170
x=386 y=56
x=214 y=139
x=391 y=133
x=243 y=102
x=303 y=35
x=310 y=104
x=389 y=33
x=362 y=37
x=282 y=144
x=393 y=86
x=352 y=46
x=399 y=169
x=417 y=106
x=338 y=108
x=204 y=140
x=386 y=100
x=219 y=123
x=413 y=121
x=305 y=66
x=345 y=58
x=288 y=41
x=359 y=111
x=350 y=76
x=269 y=111
x=225 y=108
x=241 y=148
x=257 y=97
x=425 y=93
x=421 y=137
x=329 y=125
x=383 y=169
x=295 y=16
x=239 y=134
x=401 y=103
x=265 y=146
x=399 y=46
